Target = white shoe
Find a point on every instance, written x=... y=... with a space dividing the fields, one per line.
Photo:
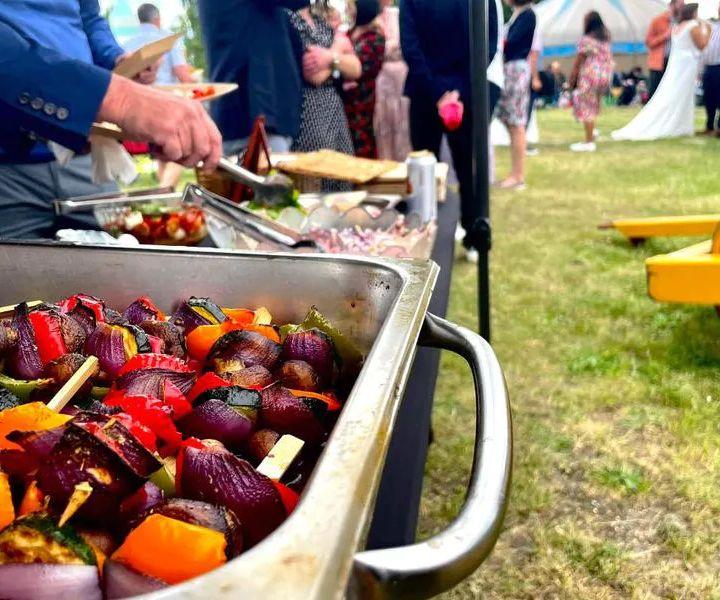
x=583 y=147
x=472 y=256
x=459 y=233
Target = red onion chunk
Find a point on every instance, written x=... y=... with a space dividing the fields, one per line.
x=124 y=582
x=151 y=382
x=248 y=347
x=141 y=310
x=24 y=360
x=219 y=477
x=216 y=420
x=284 y=413
x=107 y=342
x=315 y=348
x=49 y=582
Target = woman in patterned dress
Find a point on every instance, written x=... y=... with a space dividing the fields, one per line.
x=512 y=109
x=327 y=58
x=369 y=46
x=591 y=77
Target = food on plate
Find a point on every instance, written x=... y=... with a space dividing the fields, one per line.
x=189 y=444
x=159 y=224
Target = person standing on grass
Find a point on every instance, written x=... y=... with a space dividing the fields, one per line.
x=711 y=78
x=590 y=78
x=658 y=41
x=512 y=109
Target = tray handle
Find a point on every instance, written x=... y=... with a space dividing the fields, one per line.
x=431 y=567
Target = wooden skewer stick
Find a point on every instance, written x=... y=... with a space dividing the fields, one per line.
x=279 y=459
x=77 y=499
x=72 y=385
x=7 y=311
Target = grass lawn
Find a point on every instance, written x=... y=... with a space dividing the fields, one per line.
x=616 y=399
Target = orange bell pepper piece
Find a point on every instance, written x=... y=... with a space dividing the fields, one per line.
x=267 y=330
x=171 y=550
x=7 y=509
x=329 y=398
x=34 y=416
x=33 y=500
x=201 y=339
x=241 y=316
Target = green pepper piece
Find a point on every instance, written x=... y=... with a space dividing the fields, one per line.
x=23 y=388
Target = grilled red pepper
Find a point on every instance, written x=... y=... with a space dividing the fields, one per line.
x=151 y=412
x=96 y=306
x=48 y=335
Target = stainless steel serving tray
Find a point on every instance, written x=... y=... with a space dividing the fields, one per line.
x=382 y=306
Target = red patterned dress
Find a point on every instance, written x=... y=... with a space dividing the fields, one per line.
x=360 y=94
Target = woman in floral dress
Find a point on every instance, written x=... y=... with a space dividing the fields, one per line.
x=591 y=77
x=369 y=43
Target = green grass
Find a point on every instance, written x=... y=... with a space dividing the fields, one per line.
x=616 y=399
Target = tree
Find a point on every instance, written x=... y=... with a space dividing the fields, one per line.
x=190 y=28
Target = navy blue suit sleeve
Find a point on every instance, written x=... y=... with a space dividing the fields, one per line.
x=103 y=44
x=413 y=52
x=29 y=71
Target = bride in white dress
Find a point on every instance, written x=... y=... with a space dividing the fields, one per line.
x=671 y=110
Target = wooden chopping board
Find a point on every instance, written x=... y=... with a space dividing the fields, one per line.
x=336 y=165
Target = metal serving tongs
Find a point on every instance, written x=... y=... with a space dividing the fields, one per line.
x=113 y=199
x=271 y=190
x=255 y=226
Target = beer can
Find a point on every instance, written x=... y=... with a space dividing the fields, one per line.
x=423 y=188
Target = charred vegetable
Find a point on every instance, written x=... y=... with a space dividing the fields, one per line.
x=24 y=360
x=254 y=378
x=284 y=413
x=23 y=388
x=8 y=337
x=102 y=452
x=64 y=368
x=36 y=538
x=170 y=336
x=8 y=399
x=314 y=348
x=241 y=349
x=261 y=442
x=298 y=375
x=197 y=311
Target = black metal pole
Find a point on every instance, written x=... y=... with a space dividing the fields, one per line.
x=481 y=158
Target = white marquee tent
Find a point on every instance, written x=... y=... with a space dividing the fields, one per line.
x=561 y=23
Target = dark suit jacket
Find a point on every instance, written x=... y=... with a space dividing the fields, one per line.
x=250 y=42
x=435 y=39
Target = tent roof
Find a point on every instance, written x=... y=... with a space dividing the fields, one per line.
x=561 y=23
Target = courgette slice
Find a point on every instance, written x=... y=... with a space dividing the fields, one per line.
x=36 y=538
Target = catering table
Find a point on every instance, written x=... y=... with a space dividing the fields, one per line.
x=398 y=501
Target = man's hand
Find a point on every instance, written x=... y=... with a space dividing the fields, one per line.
x=451 y=96
x=179 y=127
x=316 y=59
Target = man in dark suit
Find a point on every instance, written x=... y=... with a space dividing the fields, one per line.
x=55 y=61
x=435 y=39
x=250 y=42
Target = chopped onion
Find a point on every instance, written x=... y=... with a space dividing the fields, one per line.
x=49 y=582
x=124 y=582
x=216 y=420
